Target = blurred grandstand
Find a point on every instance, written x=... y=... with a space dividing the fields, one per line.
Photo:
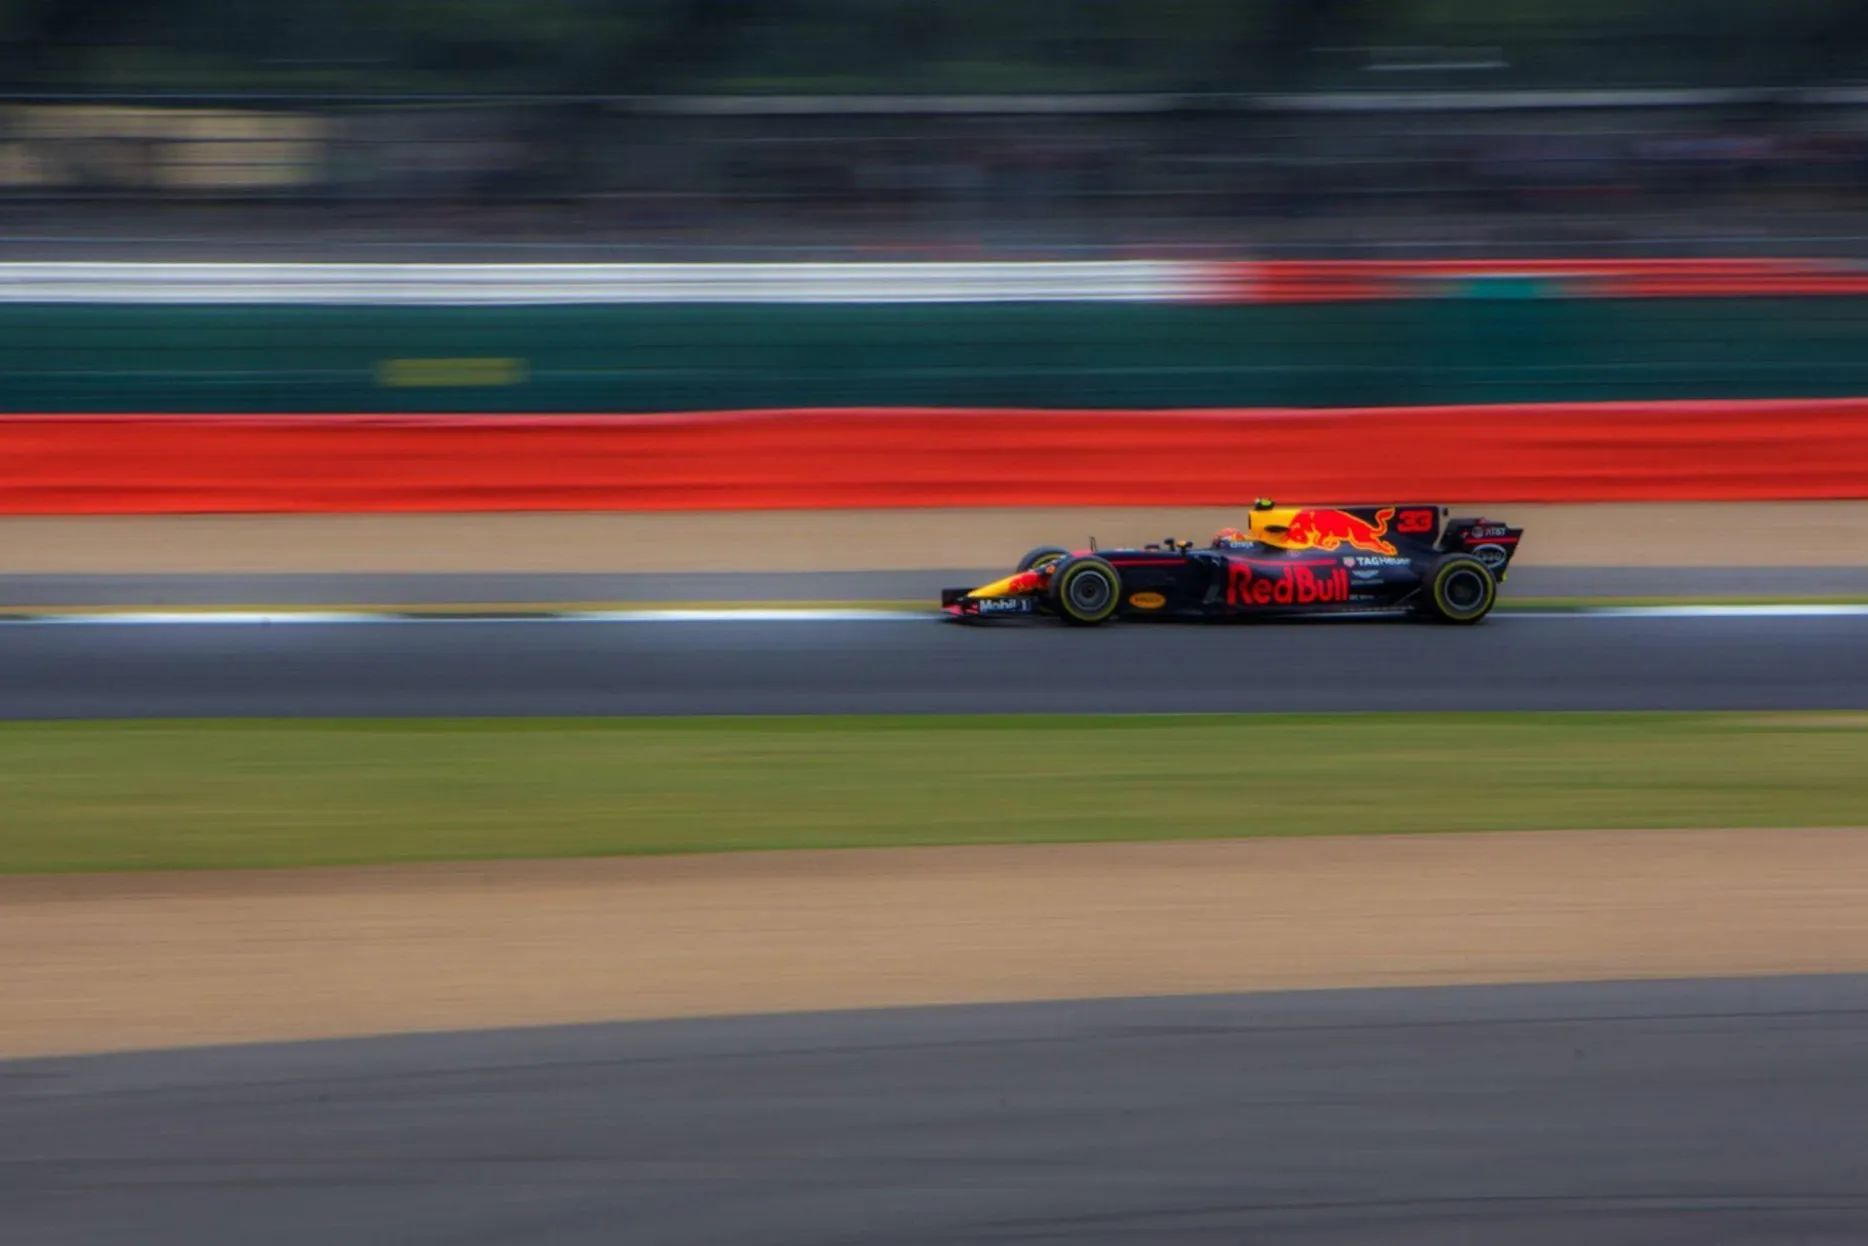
x=586 y=129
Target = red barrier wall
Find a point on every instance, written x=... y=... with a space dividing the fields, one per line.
x=1664 y=451
x=1325 y=281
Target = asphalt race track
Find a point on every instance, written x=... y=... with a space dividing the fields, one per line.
x=1729 y=1112
x=905 y=663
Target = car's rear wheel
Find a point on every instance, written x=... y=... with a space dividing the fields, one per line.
x=1086 y=591
x=1043 y=556
x=1460 y=589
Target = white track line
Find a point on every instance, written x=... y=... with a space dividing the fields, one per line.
x=204 y=618
x=284 y=618
x=1784 y=610
x=802 y=614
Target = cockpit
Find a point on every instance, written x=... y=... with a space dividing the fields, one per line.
x=1266 y=524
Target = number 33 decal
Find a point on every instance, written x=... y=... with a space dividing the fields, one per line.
x=1414 y=521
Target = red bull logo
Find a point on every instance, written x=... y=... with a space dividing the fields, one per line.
x=1331 y=529
x=1294 y=586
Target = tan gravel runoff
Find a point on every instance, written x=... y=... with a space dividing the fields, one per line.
x=94 y=963
x=1809 y=534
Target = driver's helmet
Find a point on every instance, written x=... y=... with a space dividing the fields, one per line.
x=1230 y=538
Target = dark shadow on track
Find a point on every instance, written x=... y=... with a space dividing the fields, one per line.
x=1734 y=1112
x=916 y=665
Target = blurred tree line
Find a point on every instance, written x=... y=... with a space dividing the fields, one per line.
x=627 y=47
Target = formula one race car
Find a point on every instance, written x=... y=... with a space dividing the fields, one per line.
x=1288 y=560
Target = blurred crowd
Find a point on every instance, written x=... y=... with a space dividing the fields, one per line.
x=1373 y=165
x=1152 y=182
x=1038 y=126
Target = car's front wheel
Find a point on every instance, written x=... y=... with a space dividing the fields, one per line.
x=1043 y=556
x=1460 y=589
x=1086 y=591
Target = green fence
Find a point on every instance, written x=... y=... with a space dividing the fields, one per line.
x=646 y=357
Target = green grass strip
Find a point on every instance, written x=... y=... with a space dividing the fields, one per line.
x=142 y=796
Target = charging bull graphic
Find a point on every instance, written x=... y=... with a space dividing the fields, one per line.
x=1330 y=529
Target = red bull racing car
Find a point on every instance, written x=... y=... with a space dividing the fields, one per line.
x=1288 y=560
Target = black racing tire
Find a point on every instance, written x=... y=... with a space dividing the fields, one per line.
x=1042 y=556
x=1086 y=591
x=1460 y=589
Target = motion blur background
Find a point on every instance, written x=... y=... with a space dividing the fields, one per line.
x=416 y=129
x=818 y=307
